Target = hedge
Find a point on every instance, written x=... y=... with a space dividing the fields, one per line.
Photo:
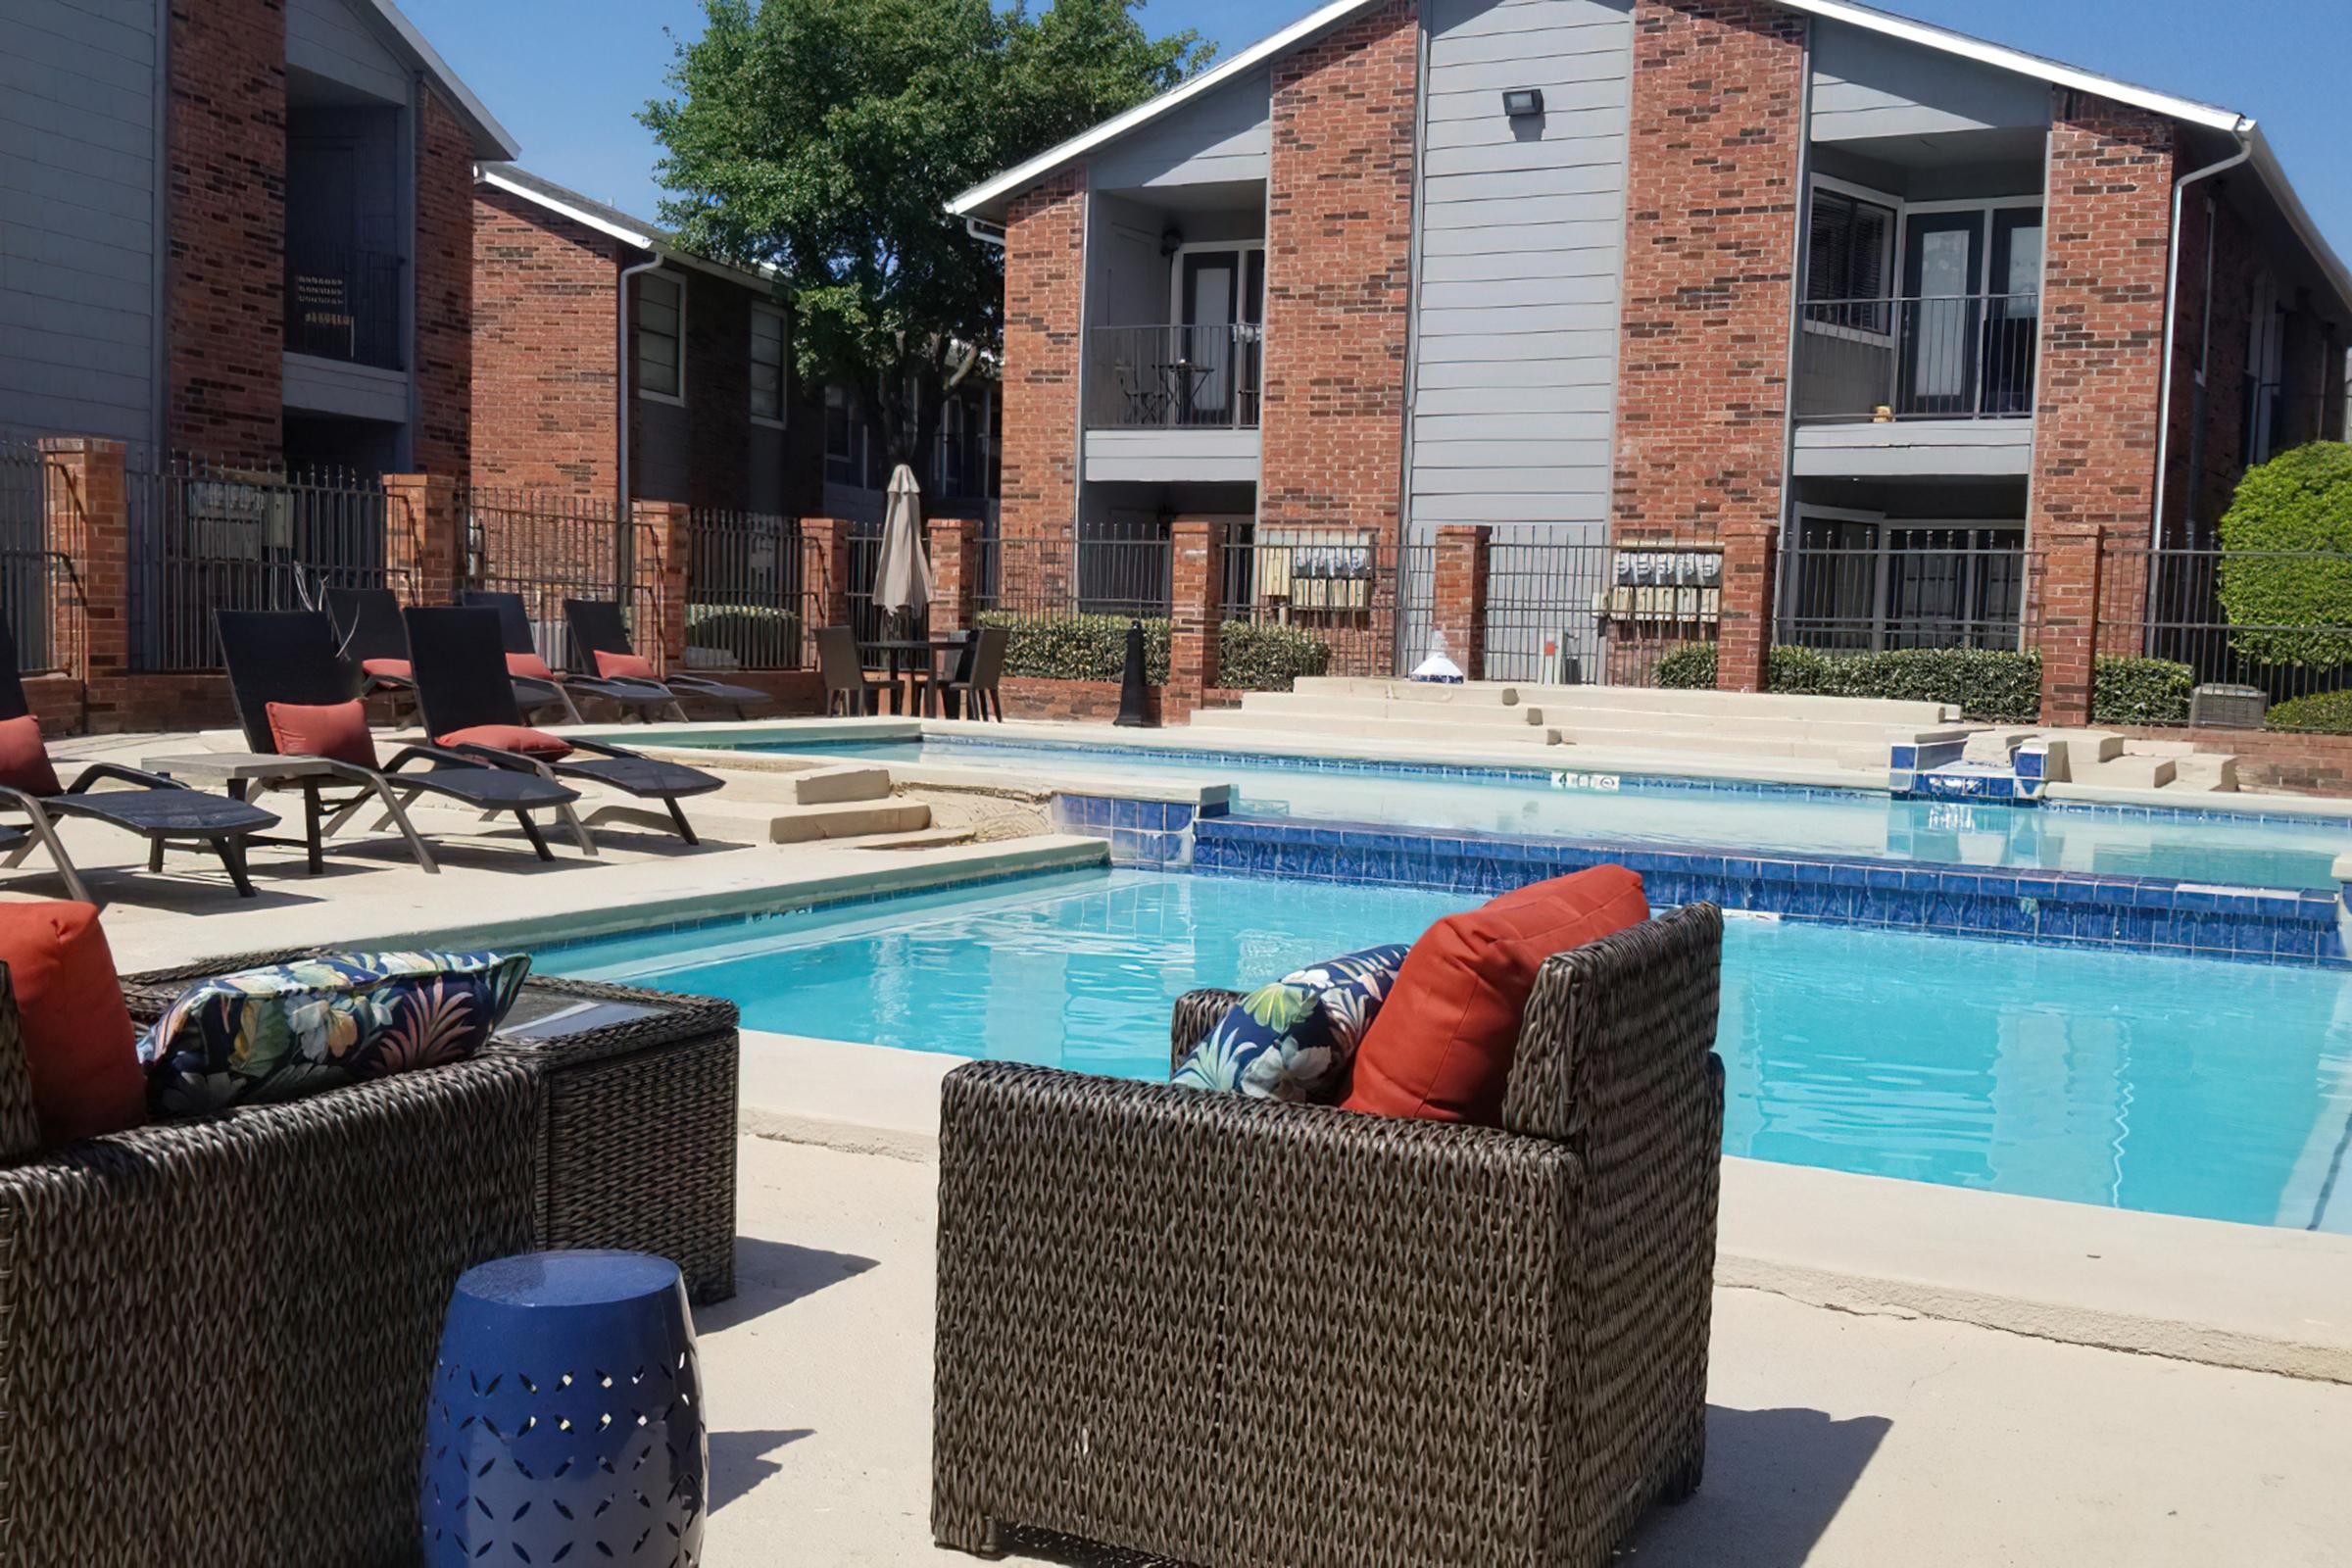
x=2142 y=691
x=1998 y=686
x=738 y=625
x=1688 y=668
x=1079 y=646
x=2291 y=608
x=1266 y=656
x=2321 y=713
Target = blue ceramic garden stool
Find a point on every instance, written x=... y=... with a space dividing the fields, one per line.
x=567 y=1419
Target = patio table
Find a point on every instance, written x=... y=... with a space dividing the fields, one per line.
x=910 y=657
x=238 y=772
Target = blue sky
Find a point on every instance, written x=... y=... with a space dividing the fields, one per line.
x=569 y=92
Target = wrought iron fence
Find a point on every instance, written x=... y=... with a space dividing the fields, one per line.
x=1866 y=587
x=549 y=548
x=1579 y=610
x=1125 y=572
x=1961 y=357
x=754 y=590
x=1174 y=377
x=1338 y=593
x=30 y=567
x=2278 y=620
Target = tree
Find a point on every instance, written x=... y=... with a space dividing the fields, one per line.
x=825 y=138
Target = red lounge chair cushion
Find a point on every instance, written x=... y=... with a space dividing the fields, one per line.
x=23 y=759
x=530 y=666
x=519 y=738
x=396 y=668
x=80 y=1050
x=337 y=731
x=623 y=666
x=1441 y=1048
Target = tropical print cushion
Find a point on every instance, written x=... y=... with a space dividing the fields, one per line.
x=324 y=1022
x=1294 y=1040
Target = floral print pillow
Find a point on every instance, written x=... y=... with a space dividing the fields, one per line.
x=1294 y=1039
x=321 y=1023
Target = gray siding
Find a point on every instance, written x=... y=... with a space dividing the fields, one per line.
x=329 y=38
x=1866 y=84
x=1522 y=237
x=1221 y=137
x=77 y=219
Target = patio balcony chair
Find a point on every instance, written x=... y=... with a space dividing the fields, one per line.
x=1242 y=1332
x=639 y=699
x=289 y=656
x=374 y=638
x=848 y=687
x=597 y=628
x=470 y=708
x=163 y=811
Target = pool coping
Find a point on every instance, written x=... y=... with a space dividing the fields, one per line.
x=2256 y=1299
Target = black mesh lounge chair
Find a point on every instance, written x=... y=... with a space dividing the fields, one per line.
x=596 y=628
x=641 y=698
x=290 y=656
x=163 y=811
x=461 y=664
x=374 y=638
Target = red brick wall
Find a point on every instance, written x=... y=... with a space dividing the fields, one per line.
x=2206 y=453
x=442 y=443
x=1339 y=238
x=544 y=350
x=227 y=184
x=1711 y=202
x=1045 y=262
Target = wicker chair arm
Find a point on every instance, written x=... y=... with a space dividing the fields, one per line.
x=1195 y=1013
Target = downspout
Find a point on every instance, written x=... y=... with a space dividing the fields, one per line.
x=986 y=232
x=628 y=406
x=2172 y=328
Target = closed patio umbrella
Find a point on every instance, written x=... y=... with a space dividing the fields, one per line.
x=903 y=576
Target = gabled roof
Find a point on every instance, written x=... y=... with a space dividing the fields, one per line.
x=490 y=139
x=610 y=221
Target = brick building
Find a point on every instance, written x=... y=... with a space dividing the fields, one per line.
x=242 y=229
x=1812 y=322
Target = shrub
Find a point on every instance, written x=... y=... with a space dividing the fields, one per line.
x=1992 y=685
x=739 y=626
x=2142 y=691
x=1267 y=656
x=1804 y=672
x=2321 y=713
x=1688 y=668
x=2291 y=608
x=1078 y=647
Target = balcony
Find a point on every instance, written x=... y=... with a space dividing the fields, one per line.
x=1901 y=387
x=1171 y=403
x=345 y=305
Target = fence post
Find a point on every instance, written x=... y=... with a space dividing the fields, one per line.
x=1196 y=608
x=659 y=568
x=86 y=497
x=829 y=595
x=955 y=574
x=1744 y=633
x=2069 y=633
x=424 y=536
x=1458 y=595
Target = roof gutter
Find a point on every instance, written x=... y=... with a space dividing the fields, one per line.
x=2244 y=133
x=986 y=232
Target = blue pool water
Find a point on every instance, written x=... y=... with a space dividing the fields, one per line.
x=2176 y=1085
x=2254 y=853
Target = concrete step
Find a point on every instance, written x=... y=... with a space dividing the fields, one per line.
x=1757 y=705
x=848 y=819
x=1318 y=705
x=832 y=786
x=932 y=838
x=2205 y=773
x=2124 y=773
x=1470 y=694
x=1436 y=731
x=1561 y=711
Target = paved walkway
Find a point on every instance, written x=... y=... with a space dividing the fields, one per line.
x=1837 y=1440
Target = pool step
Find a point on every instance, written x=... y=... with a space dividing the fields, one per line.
x=848 y=819
x=1440 y=730
x=930 y=838
x=1318 y=705
x=832 y=786
x=1646 y=702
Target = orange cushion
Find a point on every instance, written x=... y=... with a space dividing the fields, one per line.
x=23 y=759
x=78 y=1041
x=510 y=737
x=337 y=731
x=620 y=667
x=397 y=668
x=1441 y=1049
x=529 y=665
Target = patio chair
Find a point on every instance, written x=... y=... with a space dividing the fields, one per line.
x=637 y=698
x=460 y=659
x=1244 y=1332
x=846 y=685
x=374 y=638
x=163 y=811
x=290 y=656
x=596 y=628
x=974 y=688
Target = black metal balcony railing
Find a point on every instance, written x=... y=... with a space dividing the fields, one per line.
x=1959 y=357
x=1174 y=377
x=345 y=305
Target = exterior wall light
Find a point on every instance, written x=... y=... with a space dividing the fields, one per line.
x=1520 y=101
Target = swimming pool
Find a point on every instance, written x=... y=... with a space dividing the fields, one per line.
x=2176 y=1085
x=2186 y=846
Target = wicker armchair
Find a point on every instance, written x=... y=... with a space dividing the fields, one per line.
x=1233 y=1332
x=217 y=1336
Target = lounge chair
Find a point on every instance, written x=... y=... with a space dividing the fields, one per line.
x=596 y=628
x=163 y=811
x=1447 y=1345
x=290 y=656
x=374 y=638
x=637 y=698
x=459 y=657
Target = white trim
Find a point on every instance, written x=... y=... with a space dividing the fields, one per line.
x=675 y=399
x=644 y=239
x=775 y=421
x=484 y=122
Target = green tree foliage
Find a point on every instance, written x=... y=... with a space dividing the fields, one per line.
x=824 y=137
x=2286 y=563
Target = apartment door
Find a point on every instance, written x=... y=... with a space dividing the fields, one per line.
x=1221 y=296
x=1943 y=265
x=2013 y=311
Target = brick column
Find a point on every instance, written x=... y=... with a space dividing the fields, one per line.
x=2067 y=627
x=1458 y=598
x=828 y=596
x=424 y=537
x=1744 y=635
x=660 y=571
x=1196 y=609
x=89 y=522
x=1045 y=251
x=955 y=547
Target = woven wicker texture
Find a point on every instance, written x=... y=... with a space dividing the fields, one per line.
x=1236 y=1332
x=217 y=1337
x=19 y=1118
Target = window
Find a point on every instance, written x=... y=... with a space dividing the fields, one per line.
x=1849 y=263
x=841 y=439
x=767 y=363
x=662 y=337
